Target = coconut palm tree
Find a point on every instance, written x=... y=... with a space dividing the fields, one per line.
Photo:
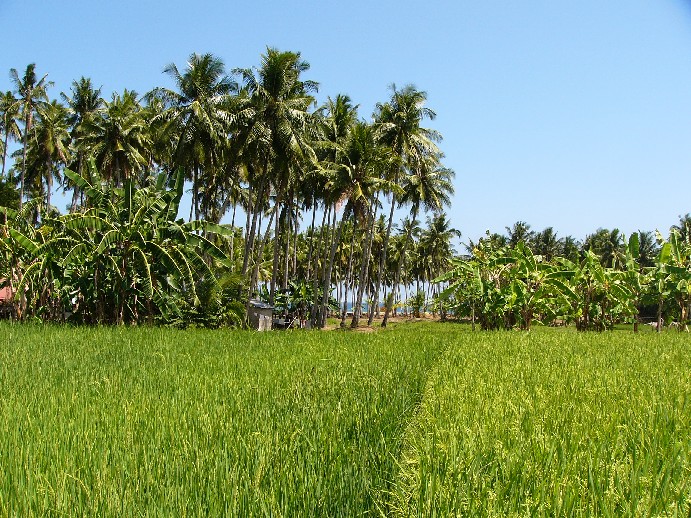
x=647 y=249
x=9 y=117
x=49 y=146
x=429 y=187
x=117 y=138
x=32 y=93
x=84 y=103
x=570 y=248
x=198 y=116
x=276 y=136
x=436 y=241
x=608 y=245
x=354 y=183
x=399 y=127
x=683 y=227
x=546 y=243
x=520 y=232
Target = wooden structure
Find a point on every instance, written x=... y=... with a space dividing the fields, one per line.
x=260 y=315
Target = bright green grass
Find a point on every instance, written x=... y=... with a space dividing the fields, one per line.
x=421 y=420
x=552 y=423
x=129 y=422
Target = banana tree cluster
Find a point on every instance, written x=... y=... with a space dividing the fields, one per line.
x=670 y=277
x=506 y=287
x=123 y=259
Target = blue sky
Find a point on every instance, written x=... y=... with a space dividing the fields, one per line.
x=570 y=114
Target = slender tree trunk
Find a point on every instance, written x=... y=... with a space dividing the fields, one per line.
x=254 y=259
x=364 y=267
x=311 y=237
x=254 y=281
x=348 y=277
x=382 y=260
x=397 y=276
x=277 y=248
x=296 y=236
x=4 y=152
x=232 y=237
x=75 y=191
x=195 y=190
x=288 y=234
x=49 y=181
x=315 y=311
x=249 y=212
x=406 y=295
x=335 y=241
x=251 y=236
x=27 y=129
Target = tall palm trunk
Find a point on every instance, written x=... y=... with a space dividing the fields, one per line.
x=274 y=268
x=314 y=314
x=255 y=210
x=311 y=246
x=296 y=230
x=249 y=216
x=4 y=153
x=232 y=237
x=397 y=276
x=254 y=280
x=382 y=259
x=75 y=189
x=49 y=181
x=288 y=234
x=364 y=268
x=347 y=281
x=327 y=278
x=27 y=129
x=195 y=190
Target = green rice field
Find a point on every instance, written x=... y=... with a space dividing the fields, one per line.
x=424 y=419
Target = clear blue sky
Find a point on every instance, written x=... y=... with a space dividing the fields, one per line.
x=570 y=114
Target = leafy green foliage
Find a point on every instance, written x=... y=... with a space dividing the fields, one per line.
x=123 y=259
x=418 y=303
x=9 y=196
x=504 y=286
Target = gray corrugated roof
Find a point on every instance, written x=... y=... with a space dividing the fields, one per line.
x=259 y=304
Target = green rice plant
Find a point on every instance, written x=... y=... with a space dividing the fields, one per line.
x=552 y=423
x=161 y=422
x=421 y=420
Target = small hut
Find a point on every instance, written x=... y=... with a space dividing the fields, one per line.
x=261 y=315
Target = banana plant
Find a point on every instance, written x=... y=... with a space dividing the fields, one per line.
x=636 y=277
x=24 y=252
x=480 y=286
x=536 y=285
x=134 y=254
x=673 y=275
x=124 y=259
x=598 y=295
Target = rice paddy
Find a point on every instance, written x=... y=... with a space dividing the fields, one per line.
x=420 y=420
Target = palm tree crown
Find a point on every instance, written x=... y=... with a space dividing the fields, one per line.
x=32 y=93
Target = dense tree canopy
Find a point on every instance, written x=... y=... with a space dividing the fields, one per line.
x=252 y=143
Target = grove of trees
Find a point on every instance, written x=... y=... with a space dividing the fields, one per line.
x=516 y=280
x=311 y=194
x=250 y=142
